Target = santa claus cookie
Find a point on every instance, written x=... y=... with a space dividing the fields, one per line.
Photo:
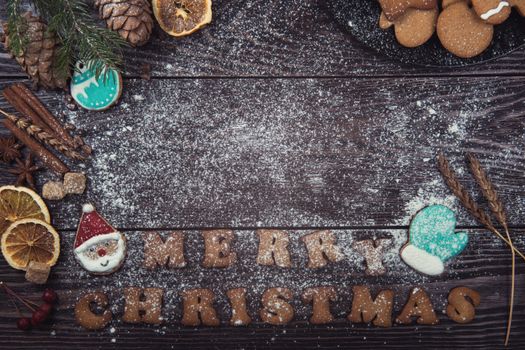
x=99 y=248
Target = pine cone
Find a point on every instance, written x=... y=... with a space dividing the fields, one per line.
x=38 y=56
x=132 y=19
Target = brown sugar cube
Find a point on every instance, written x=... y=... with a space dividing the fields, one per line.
x=53 y=190
x=74 y=183
x=37 y=272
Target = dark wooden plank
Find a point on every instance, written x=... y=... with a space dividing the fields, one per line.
x=274 y=38
x=483 y=266
x=294 y=153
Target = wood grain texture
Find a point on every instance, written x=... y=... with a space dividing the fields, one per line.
x=295 y=153
x=293 y=38
x=482 y=266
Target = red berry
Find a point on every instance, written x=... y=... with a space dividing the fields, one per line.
x=46 y=308
x=38 y=317
x=49 y=296
x=23 y=323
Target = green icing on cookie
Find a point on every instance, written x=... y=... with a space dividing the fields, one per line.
x=433 y=230
x=95 y=93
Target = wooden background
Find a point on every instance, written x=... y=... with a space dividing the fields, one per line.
x=273 y=116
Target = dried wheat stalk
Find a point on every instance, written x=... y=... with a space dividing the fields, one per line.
x=496 y=206
x=43 y=136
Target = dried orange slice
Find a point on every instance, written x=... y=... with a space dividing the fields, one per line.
x=30 y=240
x=18 y=203
x=182 y=17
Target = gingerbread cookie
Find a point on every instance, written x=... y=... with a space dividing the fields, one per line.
x=321 y=246
x=462 y=302
x=143 y=305
x=198 y=302
x=433 y=240
x=394 y=9
x=237 y=298
x=276 y=309
x=462 y=32
x=273 y=248
x=217 y=248
x=86 y=317
x=95 y=93
x=320 y=297
x=420 y=306
x=366 y=310
x=99 y=248
x=414 y=28
x=160 y=253
x=373 y=251
x=518 y=5
x=492 y=11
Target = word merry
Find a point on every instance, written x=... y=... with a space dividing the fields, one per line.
x=273 y=250
x=144 y=305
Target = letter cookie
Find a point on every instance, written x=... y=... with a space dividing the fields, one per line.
x=160 y=253
x=462 y=303
x=273 y=248
x=276 y=310
x=143 y=305
x=321 y=244
x=86 y=317
x=217 y=248
x=366 y=310
x=320 y=297
x=420 y=306
x=197 y=302
x=237 y=298
x=373 y=252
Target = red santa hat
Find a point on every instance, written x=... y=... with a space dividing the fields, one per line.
x=93 y=229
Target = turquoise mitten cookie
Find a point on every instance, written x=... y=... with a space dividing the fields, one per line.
x=433 y=240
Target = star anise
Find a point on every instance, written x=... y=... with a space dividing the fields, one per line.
x=9 y=149
x=25 y=170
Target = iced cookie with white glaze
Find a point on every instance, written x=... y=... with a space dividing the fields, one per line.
x=433 y=240
x=99 y=248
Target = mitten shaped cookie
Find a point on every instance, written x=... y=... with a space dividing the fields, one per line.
x=433 y=240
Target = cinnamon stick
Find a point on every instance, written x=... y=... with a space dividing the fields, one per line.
x=44 y=114
x=18 y=103
x=48 y=158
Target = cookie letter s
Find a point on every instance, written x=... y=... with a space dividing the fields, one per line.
x=459 y=308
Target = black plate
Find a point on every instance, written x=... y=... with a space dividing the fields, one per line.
x=361 y=18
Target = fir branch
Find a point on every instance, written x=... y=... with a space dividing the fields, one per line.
x=82 y=39
x=16 y=24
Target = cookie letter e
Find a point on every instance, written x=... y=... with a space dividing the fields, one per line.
x=99 y=248
x=432 y=240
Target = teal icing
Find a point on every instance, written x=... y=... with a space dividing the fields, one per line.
x=95 y=93
x=433 y=230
